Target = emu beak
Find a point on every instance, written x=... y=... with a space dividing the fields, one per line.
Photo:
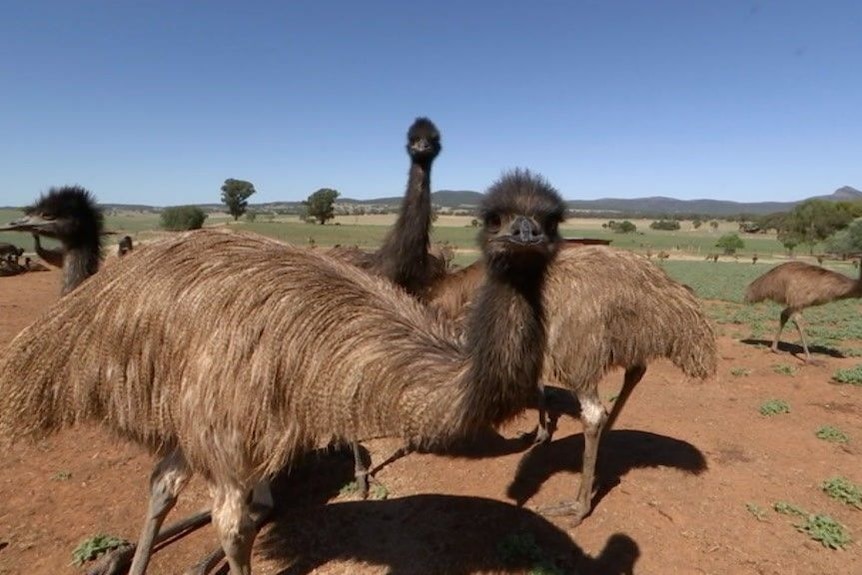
x=420 y=146
x=524 y=231
x=32 y=223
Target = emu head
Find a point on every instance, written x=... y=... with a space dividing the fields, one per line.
x=69 y=214
x=521 y=214
x=423 y=141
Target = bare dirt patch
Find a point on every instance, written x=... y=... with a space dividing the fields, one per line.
x=680 y=483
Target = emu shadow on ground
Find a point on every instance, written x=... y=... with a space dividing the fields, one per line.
x=795 y=349
x=430 y=534
x=624 y=450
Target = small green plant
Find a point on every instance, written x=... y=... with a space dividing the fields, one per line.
x=62 y=476
x=832 y=434
x=521 y=549
x=376 y=491
x=788 y=509
x=826 y=530
x=853 y=376
x=759 y=513
x=844 y=490
x=784 y=369
x=774 y=407
x=740 y=372
x=95 y=546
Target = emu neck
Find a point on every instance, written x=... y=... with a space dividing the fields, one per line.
x=79 y=263
x=52 y=257
x=495 y=379
x=404 y=254
x=505 y=337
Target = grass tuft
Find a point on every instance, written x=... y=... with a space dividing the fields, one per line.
x=851 y=376
x=93 y=547
x=774 y=407
x=843 y=490
x=832 y=434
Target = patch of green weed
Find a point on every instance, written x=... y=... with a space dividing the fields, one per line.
x=774 y=407
x=832 y=434
x=844 y=490
x=852 y=376
x=758 y=512
x=784 y=369
x=92 y=547
x=826 y=530
x=788 y=509
x=740 y=372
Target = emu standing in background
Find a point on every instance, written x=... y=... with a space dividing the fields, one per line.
x=68 y=214
x=312 y=349
x=797 y=285
x=403 y=257
x=124 y=246
x=604 y=308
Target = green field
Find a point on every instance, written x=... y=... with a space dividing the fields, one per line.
x=722 y=284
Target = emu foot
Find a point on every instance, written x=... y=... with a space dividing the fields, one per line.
x=573 y=511
x=362 y=484
x=208 y=564
x=543 y=435
x=814 y=362
x=212 y=562
x=117 y=562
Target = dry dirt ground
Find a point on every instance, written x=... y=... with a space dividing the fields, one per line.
x=676 y=477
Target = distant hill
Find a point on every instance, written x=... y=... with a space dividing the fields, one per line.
x=653 y=206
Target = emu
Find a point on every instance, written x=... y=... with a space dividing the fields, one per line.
x=312 y=348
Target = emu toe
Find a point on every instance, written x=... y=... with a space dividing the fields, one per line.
x=573 y=511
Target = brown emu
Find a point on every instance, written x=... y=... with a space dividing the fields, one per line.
x=403 y=257
x=605 y=308
x=796 y=286
x=247 y=375
x=69 y=214
x=124 y=246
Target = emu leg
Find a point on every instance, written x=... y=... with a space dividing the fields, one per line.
x=543 y=432
x=169 y=478
x=785 y=315
x=360 y=470
x=262 y=506
x=798 y=321
x=235 y=526
x=595 y=420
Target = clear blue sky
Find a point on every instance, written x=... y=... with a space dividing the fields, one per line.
x=159 y=102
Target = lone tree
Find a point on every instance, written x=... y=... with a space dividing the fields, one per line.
x=730 y=243
x=235 y=194
x=319 y=205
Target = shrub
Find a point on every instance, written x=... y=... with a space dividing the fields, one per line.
x=180 y=218
x=668 y=225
